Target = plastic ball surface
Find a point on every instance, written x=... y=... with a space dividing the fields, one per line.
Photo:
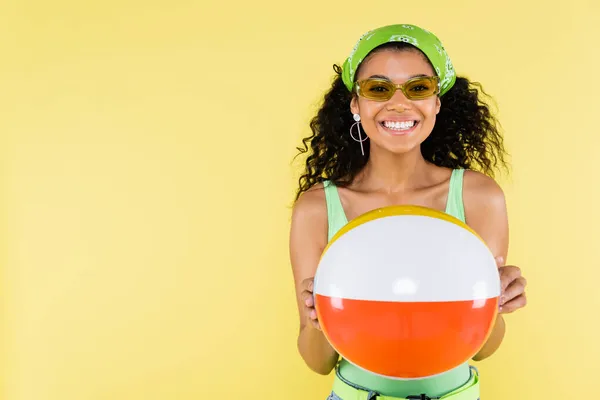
x=407 y=292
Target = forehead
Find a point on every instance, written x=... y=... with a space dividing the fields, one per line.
x=396 y=65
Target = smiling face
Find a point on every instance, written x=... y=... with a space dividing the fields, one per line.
x=398 y=125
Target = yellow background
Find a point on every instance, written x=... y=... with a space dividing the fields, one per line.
x=147 y=179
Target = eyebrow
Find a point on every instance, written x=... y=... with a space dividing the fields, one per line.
x=385 y=77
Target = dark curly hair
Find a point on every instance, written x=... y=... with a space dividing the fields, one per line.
x=466 y=133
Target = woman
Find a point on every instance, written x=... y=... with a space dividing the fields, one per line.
x=398 y=127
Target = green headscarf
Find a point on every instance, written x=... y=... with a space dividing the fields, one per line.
x=422 y=39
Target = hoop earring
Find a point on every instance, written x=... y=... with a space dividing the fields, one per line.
x=360 y=139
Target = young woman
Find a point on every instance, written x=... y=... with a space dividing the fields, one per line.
x=398 y=127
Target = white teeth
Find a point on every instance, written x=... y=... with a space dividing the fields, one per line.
x=399 y=125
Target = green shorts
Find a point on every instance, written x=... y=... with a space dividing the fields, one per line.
x=343 y=390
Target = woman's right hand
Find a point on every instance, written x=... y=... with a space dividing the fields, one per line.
x=308 y=238
x=309 y=302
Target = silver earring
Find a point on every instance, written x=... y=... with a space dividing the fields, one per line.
x=360 y=139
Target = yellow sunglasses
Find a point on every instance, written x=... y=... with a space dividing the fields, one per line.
x=380 y=89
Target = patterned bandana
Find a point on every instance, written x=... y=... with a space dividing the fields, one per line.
x=422 y=39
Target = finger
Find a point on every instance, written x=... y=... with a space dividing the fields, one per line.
x=508 y=274
x=309 y=284
x=310 y=313
x=516 y=288
x=316 y=324
x=513 y=305
x=500 y=261
x=312 y=316
x=308 y=298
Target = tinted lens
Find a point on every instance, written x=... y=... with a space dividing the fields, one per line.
x=421 y=88
x=376 y=89
x=383 y=90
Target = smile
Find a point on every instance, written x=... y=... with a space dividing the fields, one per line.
x=399 y=127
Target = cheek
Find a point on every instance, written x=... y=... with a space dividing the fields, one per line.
x=428 y=110
x=369 y=110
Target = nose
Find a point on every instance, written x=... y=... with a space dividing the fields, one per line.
x=399 y=102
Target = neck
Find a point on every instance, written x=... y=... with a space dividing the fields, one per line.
x=388 y=172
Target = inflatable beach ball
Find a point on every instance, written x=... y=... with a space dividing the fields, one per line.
x=407 y=292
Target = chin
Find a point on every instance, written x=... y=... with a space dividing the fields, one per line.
x=398 y=145
x=403 y=150
x=396 y=148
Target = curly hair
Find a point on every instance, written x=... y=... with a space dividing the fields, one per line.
x=466 y=133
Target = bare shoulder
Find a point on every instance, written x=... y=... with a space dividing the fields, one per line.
x=485 y=210
x=482 y=191
x=311 y=204
x=309 y=222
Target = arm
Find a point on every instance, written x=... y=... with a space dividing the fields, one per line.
x=486 y=213
x=308 y=238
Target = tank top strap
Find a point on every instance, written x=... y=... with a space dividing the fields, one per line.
x=336 y=217
x=454 y=204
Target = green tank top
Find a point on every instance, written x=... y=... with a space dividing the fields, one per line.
x=434 y=386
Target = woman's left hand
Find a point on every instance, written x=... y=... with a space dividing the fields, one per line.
x=513 y=285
